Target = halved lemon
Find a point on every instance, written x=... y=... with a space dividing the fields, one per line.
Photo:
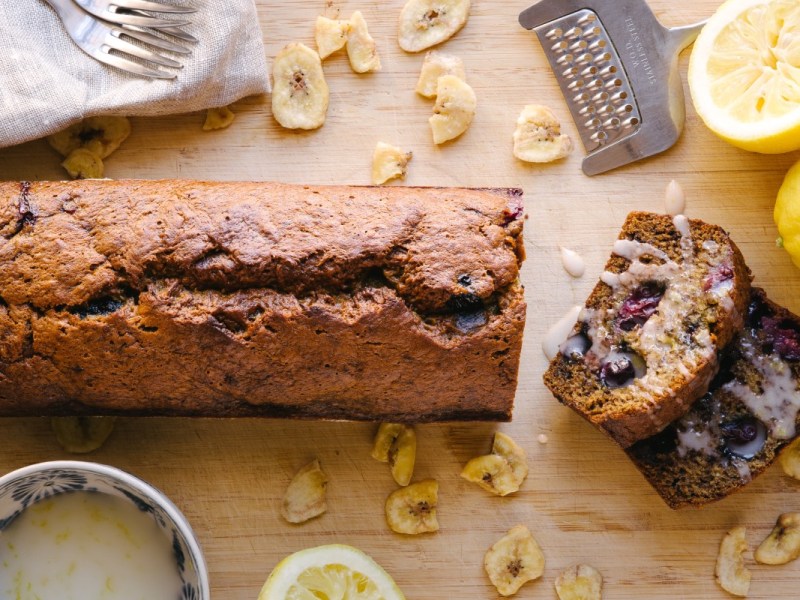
x=332 y=572
x=744 y=74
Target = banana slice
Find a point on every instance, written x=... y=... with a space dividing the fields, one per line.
x=782 y=545
x=580 y=582
x=514 y=560
x=538 y=137
x=434 y=66
x=425 y=23
x=81 y=435
x=100 y=135
x=504 y=446
x=330 y=35
x=83 y=164
x=218 y=118
x=454 y=109
x=388 y=162
x=305 y=498
x=732 y=575
x=790 y=459
x=493 y=473
x=412 y=510
x=361 y=48
x=402 y=456
x=384 y=439
x=300 y=93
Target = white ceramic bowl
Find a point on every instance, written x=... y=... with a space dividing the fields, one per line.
x=28 y=485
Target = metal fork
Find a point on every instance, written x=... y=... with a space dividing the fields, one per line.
x=173 y=31
x=109 y=10
x=98 y=39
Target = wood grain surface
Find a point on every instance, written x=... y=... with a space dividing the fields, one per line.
x=583 y=500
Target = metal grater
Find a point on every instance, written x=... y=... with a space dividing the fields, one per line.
x=617 y=67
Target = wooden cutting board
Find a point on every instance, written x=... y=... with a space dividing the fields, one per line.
x=583 y=500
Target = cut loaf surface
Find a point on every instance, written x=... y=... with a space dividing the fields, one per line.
x=646 y=344
x=234 y=299
x=734 y=432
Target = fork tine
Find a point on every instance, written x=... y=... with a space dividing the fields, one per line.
x=115 y=42
x=173 y=31
x=153 y=40
x=153 y=6
x=130 y=66
x=146 y=21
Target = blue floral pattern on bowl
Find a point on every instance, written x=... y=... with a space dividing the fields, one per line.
x=29 y=485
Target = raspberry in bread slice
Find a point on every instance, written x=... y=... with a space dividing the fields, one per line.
x=736 y=430
x=646 y=344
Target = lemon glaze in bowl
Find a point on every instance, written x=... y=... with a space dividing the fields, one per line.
x=40 y=483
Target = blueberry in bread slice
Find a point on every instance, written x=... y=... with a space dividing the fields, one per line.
x=646 y=345
x=736 y=430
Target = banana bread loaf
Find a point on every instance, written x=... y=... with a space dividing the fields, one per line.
x=236 y=299
x=736 y=430
x=646 y=344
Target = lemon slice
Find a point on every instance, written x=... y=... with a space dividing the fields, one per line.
x=744 y=74
x=332 y=572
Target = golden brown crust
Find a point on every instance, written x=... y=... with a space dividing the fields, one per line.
x=233 y=299
x=630 y=414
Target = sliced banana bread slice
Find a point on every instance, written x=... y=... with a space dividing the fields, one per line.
x=736 y=430
x=646 y=344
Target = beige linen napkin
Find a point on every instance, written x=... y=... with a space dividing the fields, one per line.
x=47 y=83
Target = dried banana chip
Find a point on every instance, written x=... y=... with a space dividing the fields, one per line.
x=504 y=446
x=493 y=473
x=83 y=164
x=412 y=510
x=361 y=48
x=425 y=23
x=388 y=162
x=514 y=560
x=538 y=137
x=402 y=456
x=790 y=459
x=81 y=435
x=783 y=543
x=100 y=135
x=305 y=498
x=580 y=582
x=300 y=93
x=732 y=575
x=384 y=439
x=330 y=35
x=454 y=109
x=218 y=118
x=434 y=66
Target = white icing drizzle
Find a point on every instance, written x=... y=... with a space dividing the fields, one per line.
x=572 y=262
x=633 y=250
x=674 y=199
x=559 y=332
x=743 y=467
x=700 y=440
x=779 y=401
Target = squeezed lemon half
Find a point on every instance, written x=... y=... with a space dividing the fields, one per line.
x=744 y=74
x=332 y=572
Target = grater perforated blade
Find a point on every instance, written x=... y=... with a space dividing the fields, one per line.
x=617 y=67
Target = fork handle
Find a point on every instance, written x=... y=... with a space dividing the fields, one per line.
x=67 y=11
